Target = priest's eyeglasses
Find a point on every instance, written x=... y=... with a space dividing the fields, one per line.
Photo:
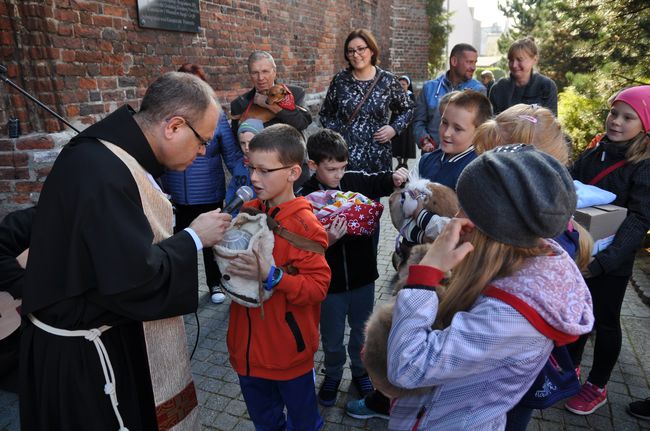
x=202 y=141
x=263 y=171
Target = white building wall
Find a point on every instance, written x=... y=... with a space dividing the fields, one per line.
x=465 y=29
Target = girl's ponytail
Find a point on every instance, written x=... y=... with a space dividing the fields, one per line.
x=585 y=245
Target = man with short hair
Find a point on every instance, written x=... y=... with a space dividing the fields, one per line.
x=426 y=120
x=103 y=260
x=262 y=72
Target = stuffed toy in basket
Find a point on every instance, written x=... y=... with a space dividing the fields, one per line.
x=247 y=234
x=362 y=214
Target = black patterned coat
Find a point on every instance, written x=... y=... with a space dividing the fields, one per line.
x=344 y=94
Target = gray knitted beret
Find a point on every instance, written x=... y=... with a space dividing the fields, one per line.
x=516 y=195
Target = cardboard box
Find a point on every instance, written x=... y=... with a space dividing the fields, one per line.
x=601 y=221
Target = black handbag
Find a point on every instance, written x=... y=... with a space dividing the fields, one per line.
x=557 y=381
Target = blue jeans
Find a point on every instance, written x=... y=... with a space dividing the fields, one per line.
x=356 y=305
x=266 y=399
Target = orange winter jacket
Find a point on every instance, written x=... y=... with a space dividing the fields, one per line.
x=282 y=345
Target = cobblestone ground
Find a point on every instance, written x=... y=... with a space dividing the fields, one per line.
x=222 y=406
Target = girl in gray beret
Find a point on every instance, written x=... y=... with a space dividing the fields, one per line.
x=472 y=348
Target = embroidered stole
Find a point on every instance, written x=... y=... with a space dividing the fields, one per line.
x=165 y=339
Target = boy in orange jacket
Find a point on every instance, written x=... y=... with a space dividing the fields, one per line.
x=274 y=355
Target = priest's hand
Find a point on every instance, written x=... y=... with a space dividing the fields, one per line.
x=211 y=226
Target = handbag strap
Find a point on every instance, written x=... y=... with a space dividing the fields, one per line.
x=602 y=174
x=560 y=338
x=365 y=97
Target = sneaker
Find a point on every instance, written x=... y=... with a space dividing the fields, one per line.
x=640 y=409
x=327 y=392
x=358 y=410
x=217 y=297
x=363 y=385
x=588 y=399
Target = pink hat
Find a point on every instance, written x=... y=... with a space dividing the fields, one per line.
x=639 y=99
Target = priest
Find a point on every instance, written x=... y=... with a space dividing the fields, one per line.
x=103 y=260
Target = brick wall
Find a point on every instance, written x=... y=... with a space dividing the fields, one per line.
x=84 y=58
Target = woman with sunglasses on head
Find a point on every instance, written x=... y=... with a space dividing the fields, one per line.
x=359 y=103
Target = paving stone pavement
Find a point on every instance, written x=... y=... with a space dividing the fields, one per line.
x=222 y=406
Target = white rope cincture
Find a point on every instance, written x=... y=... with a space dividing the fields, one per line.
x=92 y=335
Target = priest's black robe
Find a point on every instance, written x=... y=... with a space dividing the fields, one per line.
x=92 y=263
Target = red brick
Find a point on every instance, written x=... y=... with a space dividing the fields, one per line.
x=35 y=142
x=7 y=144
x=6 y=38
x=68 y=69
x=87 y=6
x=72 y=111
x=14 y=159
x=105 y=45
x=68 y=55
x=5 y=186
x=66 y=15
x=53 y=125
x=114 y=96
x=102 y=21
x=53 y=53
x=66 y=42
x=82 y=31
x=64 y=30
x=14 y=173
x=87 y=83
x=41 y=173
x=106 y=83
x=28 y=186
x=116 y=59
x=114 y=11
x=21 y=198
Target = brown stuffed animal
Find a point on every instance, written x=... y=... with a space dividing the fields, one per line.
x=435 y=198
x=438 y=199
x=375 y=354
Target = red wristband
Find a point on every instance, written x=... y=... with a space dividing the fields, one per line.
x=424 y=275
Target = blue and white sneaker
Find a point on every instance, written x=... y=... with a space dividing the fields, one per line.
x=358 y=410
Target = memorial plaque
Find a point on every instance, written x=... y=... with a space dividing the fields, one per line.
x=175 y=15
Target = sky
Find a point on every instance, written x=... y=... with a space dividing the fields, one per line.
x=487 y=12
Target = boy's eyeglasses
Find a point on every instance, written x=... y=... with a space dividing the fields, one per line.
x=263 y=171
x=202 y=141
x=359 y=51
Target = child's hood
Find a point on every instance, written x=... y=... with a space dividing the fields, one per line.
x=554 y=288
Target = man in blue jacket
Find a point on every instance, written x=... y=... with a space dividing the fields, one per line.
x=426 y=120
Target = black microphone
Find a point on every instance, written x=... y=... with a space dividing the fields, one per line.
x=243 y=194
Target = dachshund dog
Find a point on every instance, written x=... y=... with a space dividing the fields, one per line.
x=279 y=95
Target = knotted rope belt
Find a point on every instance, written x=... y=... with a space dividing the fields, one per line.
x=92 y=335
